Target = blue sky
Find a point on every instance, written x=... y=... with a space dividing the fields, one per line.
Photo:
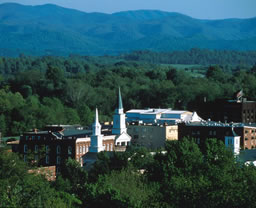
x=202 y=9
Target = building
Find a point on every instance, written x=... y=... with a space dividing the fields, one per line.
x=202 y=130
x=152 y=135
x=152 y=127
x=54 y=145
x=240 y=111
x=119 y=125
x=158 y=116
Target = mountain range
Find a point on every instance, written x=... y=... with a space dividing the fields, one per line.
x=53 y=30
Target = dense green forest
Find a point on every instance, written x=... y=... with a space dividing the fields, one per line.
x=35 y=91
x=195 y=56
x=183 y=176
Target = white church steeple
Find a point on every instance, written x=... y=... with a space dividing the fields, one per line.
x=96 y=127
x=97 y=137
x=119 y=125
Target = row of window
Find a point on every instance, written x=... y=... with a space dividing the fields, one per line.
x=33 y=137
x=108 y=147
x=58 y=149
x=249 y=131
x=47 y=159
x=82 y=149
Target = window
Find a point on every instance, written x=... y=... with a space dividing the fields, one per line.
x=46 y=149
x=111 y=147
x=198 y=140
x=198 y=132
x=246 y=138
x=87 y=149
x=83 y=149
x=36 y=148
x=107 y=147
x=33 y=137
x=210 y=132
x=77 y=150
x=69 y=150
x=58 y=149
x=47 y=159
x=26 y=137
x=25 y=158
x=58 y=170
x=136 y=137
x=214 y=133
x=36 y=157
x=38 y=137
x=58 y=160
x=25 y=148
x=230 y=141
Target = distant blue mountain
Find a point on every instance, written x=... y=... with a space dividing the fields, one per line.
x=54 y=30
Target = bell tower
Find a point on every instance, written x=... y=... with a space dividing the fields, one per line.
x=97 y=137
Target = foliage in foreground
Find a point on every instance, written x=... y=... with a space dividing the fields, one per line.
x=185 y=176
x=19 y=188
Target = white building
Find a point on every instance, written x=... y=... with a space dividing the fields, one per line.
x=119 y=126
x=159 y=116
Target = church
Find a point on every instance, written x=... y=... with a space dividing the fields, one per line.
x=119 y=136
x=53 y=145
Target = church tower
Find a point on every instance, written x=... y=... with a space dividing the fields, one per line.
x=119 y=125
x=97 y=137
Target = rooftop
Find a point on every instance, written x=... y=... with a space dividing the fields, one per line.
x=220 y=124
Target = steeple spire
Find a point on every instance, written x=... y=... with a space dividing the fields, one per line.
x=96 y=126
x=119 y=117
x=97 y=137
x=96 y=116
x=120 y=100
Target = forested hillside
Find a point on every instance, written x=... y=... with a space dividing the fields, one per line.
x=53 y=30
x=195 y=56
x=58 y=90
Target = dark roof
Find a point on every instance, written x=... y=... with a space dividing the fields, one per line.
x=75 y=132
x=247 y=155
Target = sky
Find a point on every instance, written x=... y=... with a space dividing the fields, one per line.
x=201 y=9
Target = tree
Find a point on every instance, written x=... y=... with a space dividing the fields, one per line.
x=19 y=188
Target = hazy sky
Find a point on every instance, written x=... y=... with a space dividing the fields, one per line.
x=202 y=9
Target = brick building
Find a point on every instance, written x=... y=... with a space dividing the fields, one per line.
x=200 y=131
x=241 y=111
x=56 y=144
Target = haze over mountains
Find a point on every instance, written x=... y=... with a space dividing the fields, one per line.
x=53 y=30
